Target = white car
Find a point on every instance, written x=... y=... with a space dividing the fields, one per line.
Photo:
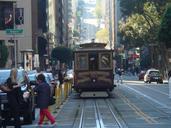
x=153 y=75
x=69 y=74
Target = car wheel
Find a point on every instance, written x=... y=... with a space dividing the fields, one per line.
x=28 y=118
x=161 y=82
x=30 y=114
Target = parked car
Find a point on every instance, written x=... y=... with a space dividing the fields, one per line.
x=141 y=75
x=53 y=80
x=49 y=79
x=27 y=109
x=153 y=75
x=69 y=75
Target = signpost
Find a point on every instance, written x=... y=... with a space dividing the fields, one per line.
x=14 y=31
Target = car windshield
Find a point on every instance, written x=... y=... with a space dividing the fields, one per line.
x=50 y=76
x=32 y=77
x=154 y=73
x=20 y=76
x=47 y=78
x=70 y=71
x=4 y=74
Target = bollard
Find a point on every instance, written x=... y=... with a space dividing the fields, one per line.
x=61 y=94
x=65 y=90
x=58 y=97
x=70 y=88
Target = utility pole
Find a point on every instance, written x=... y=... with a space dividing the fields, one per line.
x=15 y=41
x=110 y=24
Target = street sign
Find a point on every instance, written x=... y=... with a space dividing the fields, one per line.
x=14 y=31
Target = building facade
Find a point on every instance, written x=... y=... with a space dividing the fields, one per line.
x=18 y=22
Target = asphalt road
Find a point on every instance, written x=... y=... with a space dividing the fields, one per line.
x=132 y=104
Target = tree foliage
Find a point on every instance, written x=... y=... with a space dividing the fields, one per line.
x=140 y=24
x=164 y=34
x=63 y=54
x=3 y=54
x=129 y=7
x=76 y=33
x=98 y=10
x=102 y=35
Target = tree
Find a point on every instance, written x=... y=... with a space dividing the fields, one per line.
x=141 y=28
x=129 y=7
x=164 y=34
x=3 y=54
x=140 y=24
x=63 y=54
x=140 y=21
x=102 y=35
x=98 y=11
x=76 y=33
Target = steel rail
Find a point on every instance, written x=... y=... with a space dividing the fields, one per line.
x=99 y=120
x=114 y=115
x=82 y=115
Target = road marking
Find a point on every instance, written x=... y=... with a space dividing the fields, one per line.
x=154 y=90
x=138 y=111
x=148 y=97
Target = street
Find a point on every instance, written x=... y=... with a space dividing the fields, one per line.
x=132 y=104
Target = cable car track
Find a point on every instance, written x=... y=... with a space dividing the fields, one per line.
x=99 y=113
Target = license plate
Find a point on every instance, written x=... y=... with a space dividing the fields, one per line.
x=156 y=78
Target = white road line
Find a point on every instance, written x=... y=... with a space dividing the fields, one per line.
x=156 y=90
x=148 y=97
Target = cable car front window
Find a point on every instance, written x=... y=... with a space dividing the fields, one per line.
x=105 y=61
x=81 y=61
x=93 y=61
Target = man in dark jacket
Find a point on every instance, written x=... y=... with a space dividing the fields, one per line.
x=43 y=98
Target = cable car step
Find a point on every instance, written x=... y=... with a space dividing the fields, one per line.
x=94 y=94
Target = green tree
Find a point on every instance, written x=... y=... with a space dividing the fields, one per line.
x=3 y=54
x=98 y=11
x=63 y=54
x=76 y=33
x=140 y=21
x=102 y=35
x=141 y=28
x=129 y=7
x=164 y=34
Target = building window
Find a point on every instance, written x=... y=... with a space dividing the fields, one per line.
x=6 y=15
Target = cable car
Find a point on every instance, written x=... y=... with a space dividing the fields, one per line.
x=93 y=70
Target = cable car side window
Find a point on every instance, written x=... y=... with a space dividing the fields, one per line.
x=105 y=61
x=81 y=61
